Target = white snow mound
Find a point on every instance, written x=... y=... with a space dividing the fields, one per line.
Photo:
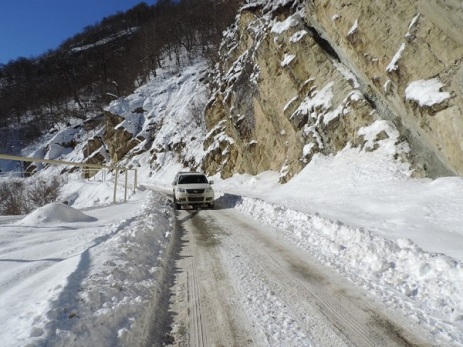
x=56 y=212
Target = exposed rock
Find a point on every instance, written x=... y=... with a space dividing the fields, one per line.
x=139 y=110
x=98 y=159
x=94 y=122
x=281 y=97
x=118 y=139
x=306 y=77
x=92 y=145
x=397 y=43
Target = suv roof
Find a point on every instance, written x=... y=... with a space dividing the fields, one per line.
x=189 y=173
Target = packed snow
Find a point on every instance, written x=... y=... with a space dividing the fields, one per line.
x=354 y=28
x=90 y=270
x=280 y=27
x=394 y=64
x=412 y=26
x=426 y=92
x=288 y=58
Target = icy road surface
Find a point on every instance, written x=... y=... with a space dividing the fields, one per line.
x=236 y=284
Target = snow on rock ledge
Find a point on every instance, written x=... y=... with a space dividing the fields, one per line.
x=426 y=92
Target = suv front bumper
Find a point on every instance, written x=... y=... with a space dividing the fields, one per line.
x=185 y=198
x=194 y=201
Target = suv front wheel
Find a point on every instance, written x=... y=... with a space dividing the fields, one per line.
x=177 y=206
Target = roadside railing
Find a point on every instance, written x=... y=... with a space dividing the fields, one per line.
x=85 y=166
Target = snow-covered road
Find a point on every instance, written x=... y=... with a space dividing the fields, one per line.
x=251 y=271
x=238 y=284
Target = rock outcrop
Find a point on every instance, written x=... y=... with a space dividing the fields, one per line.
x=395 y=44
x=111 y=142
x=118 y=139
x=298 y=78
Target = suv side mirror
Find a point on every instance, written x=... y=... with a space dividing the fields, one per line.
x=211 y=182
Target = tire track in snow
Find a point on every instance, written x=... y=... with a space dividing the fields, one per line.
x=246 y=286
x=321 y=309
x=203 y=302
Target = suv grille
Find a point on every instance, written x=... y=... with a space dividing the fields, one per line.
x=195 y=191
x=195 y=199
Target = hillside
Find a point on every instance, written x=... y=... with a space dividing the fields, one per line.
x=106 y=61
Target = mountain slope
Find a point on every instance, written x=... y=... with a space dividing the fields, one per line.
x=297 y=78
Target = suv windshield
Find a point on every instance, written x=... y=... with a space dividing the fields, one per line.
x=189 y=179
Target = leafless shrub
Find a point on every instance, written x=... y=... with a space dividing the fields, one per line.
x=12 y=200
x=18 y=198
x=43 y=192
x=197 y=109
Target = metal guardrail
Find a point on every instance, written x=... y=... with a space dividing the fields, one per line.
x=83 y=165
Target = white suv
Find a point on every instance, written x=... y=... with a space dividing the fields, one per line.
x=192 y=188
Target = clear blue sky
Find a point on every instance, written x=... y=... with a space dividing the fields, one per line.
x=31 y=27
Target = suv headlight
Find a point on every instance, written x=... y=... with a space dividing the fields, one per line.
x=181 y=190
x=209 y=189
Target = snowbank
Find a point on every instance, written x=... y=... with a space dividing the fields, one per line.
x=91 y=278
x=55 y=213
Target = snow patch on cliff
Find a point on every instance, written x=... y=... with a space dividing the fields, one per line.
x=426 y=92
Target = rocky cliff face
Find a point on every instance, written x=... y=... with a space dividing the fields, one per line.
x=304 y=77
